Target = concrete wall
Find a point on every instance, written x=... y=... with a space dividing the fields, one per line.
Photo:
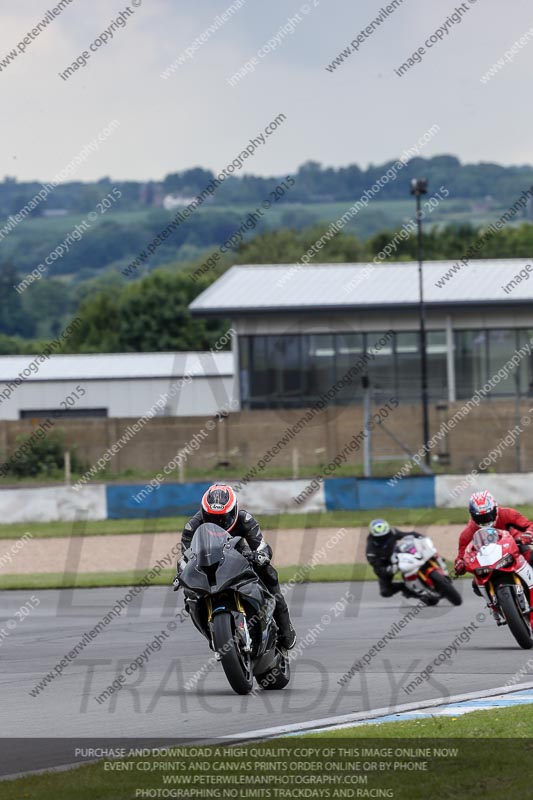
x=243 y=438
x=114 y=501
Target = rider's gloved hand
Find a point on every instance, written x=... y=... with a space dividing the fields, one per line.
x=181 y=566
x=460 y=566
x=260 y=558
x=524 y=538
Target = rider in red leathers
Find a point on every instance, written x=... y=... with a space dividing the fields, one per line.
x=484 y=511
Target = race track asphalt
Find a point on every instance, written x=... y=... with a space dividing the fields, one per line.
x=155 y=703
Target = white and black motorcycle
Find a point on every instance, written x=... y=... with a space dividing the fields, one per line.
x=424 y=571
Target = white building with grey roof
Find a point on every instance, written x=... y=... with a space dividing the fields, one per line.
x=116 y=385
x=300 y=328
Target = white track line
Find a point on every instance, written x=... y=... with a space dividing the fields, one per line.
x=346 y=720
x=312 y=726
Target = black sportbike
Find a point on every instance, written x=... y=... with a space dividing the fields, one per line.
x=232 y=608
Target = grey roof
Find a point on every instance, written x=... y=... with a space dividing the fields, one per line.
x=108 y=366
x=284 y=287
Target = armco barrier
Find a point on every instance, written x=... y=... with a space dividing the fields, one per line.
x=52 y=504
x=180 y=499
x=509 y=489
x=60 y=503
x=350 y=494
x=169 y=500
x=270 y=497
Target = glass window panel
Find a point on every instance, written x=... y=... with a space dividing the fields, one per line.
x=350 y=350
x=381 y=368
x=470 y=362
x=408 y=367
x=244 y=370
x=502 y=345
x=525 y=368
x=289 y=370
x=276 y=376
x=437 y=352
x=261 y=378
x=321 y=364
x=294 y=371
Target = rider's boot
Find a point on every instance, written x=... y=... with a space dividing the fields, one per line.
x=286 y=633
x=496 y=615
x=429 y=598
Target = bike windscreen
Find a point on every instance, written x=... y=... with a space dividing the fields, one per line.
x=208 y=544
x=407 y=544
x=484 y=536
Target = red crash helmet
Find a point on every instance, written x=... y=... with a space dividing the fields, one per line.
x=219 y=505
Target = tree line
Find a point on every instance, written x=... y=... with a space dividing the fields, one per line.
x=314 y=183
x=151 y=314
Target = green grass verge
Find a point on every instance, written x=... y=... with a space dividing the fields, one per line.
x=473 y=765
x=414 y=517
x=381 y=469
x=505 y=723
x=322 y=573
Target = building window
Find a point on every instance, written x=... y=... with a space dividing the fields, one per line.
x=501 y=346
x=295 y=371
x=349 y=352
x=437 y=351
x=381 y=369
x=479 y=355
x=319 y=363
x=525 y=368
x=69 y=413
x=470 y=362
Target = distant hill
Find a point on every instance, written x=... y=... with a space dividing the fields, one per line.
x=314 y=184
x=79 y=238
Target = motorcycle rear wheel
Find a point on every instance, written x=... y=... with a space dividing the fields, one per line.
x=445 y=587
x=515 y=618
x=235 y=662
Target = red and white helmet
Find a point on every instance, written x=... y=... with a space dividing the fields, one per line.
x=219 y=505
x=483 y=508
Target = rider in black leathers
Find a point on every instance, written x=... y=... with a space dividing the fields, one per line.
x=219 y=505
x=380 y=544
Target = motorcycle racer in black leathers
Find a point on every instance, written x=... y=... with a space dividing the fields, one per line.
x=219 y=505
x=380 y=544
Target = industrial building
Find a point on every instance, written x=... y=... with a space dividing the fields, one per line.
x=116 y=385
x=300 y=328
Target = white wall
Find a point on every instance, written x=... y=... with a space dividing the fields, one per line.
x=508 y=490
x=122 y=398
x=53 y=504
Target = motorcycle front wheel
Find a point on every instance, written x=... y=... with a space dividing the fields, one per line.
x=278 y=676
x=514 y=616
x=236 y=663
x=444 y=586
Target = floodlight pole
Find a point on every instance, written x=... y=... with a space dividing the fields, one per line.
x=418 y=188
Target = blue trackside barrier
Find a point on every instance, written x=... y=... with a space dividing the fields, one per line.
x=170 y=500
x=351 y=494
x=413 y=492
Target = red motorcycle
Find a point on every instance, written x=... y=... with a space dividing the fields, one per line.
x=505 y=579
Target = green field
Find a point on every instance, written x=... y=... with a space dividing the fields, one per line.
x=381 y=469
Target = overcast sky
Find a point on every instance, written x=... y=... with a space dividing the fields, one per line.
x=362 y=112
